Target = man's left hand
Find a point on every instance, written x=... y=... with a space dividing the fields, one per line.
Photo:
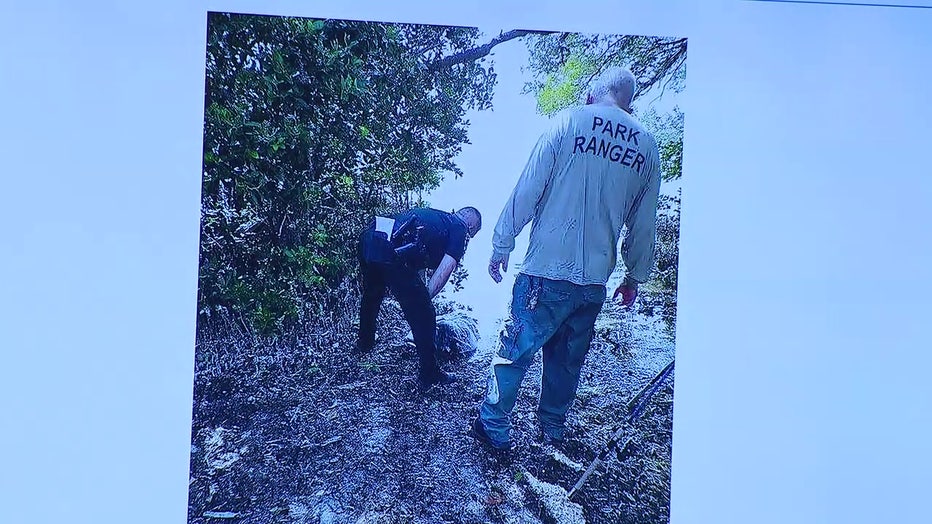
x=628 y=291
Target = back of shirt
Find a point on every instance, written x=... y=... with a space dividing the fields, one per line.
x=594 y=171
x=441 y=234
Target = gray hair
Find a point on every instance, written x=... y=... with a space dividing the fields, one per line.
x=616 y=84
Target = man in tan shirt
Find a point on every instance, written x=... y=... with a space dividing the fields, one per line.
x=595 y=171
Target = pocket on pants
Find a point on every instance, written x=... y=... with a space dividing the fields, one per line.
x=508 y=347
x=507 y=354
x=521 y=286
x=549 y=291
x=377 y=249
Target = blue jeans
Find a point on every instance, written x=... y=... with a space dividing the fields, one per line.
x=559 y=317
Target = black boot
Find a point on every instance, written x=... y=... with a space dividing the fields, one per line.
x=363 y=348
x=478 y=432
x=365 y=345
x=437 y=377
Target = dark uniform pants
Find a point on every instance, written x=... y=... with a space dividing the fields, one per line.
x=380 y=273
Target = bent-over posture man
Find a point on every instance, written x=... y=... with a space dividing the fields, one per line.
x=595 y=170
x=421 y=238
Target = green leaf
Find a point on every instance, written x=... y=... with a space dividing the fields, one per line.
x=305 y=109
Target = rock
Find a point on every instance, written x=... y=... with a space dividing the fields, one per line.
x=554 y=502
x=457 y=335
x=327 y=511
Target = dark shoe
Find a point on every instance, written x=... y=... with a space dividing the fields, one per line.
x=568 y=444
x=439 y=378
x=478 y=433
x=553 y=440
x=548 y=440
x=364 y=347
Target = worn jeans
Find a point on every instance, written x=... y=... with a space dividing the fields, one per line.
x=559 y=317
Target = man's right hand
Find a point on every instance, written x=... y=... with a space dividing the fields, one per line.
x=498 y=264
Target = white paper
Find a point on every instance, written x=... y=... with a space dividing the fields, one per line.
x=385 y=225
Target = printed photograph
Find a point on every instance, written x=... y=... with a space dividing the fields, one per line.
x=437 y=274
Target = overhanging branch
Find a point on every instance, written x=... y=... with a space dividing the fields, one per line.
x=471 y=55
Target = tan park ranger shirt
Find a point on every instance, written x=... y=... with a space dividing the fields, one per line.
x=594 y=171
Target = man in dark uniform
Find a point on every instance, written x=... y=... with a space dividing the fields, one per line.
x=421 y=238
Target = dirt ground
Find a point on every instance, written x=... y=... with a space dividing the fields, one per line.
x=303 y=430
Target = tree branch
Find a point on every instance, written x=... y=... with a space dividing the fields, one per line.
x=669 y=66
x=471 y=55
